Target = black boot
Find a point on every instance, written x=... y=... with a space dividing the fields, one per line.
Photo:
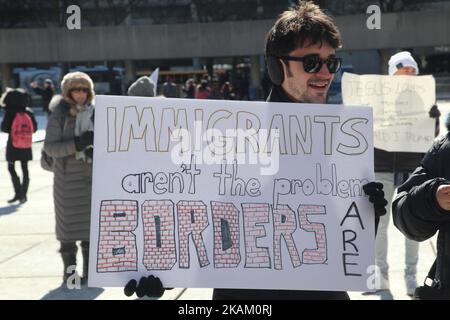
x=17 y=189
x=85 y=253
x=69 y=256
x=24 y=190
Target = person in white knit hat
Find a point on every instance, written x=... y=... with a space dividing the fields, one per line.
x=403 y=63
x=393 y=169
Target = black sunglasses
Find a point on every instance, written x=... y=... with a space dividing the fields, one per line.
x=312 y=63
x=86 y=90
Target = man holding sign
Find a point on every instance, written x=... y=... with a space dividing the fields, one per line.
x=301 y=57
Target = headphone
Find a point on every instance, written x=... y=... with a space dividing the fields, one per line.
x=275 y=69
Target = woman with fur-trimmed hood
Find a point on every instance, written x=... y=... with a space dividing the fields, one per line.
x=69 y=140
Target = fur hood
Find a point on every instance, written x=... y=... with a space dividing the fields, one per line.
x=58 y=101
x=77 y=80
x=15 y=99
x=59 y=104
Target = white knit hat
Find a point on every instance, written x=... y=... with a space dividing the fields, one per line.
x=400 y=60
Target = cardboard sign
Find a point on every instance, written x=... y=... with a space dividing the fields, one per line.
x=223 y=194
x=400 y=107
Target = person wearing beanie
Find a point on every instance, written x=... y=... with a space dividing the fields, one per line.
x=403 y=63
x=142 y=87
x=393 y=169
x=69 y=141
x=18 y=114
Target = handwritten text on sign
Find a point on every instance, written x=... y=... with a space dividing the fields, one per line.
x=220 y=194
x=400 y=105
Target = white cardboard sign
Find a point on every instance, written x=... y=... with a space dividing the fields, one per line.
x=278 y=204
x=401 y=105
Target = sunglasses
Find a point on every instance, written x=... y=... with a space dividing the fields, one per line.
x=85 y=90
x=312 y=63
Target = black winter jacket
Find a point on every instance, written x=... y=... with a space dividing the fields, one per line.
x=15 y=154
x=277 y=95
x=416 y=212
x=47 y=94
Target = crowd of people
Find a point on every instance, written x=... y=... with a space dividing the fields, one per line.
x=203 y=89
x=301 y=64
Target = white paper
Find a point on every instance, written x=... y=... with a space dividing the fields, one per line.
x=154 y=77
x=401 y=105
x=218 y=230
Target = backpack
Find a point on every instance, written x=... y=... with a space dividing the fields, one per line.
x=22 y=131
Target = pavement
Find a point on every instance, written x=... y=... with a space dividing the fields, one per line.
x=31 y=267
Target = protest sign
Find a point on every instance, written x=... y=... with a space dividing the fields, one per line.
x=400 y=105
x=231 y=194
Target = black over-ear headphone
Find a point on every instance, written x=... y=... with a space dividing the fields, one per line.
x=275 y=69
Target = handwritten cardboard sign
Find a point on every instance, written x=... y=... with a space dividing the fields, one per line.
x=231 y=194
x=401 y=105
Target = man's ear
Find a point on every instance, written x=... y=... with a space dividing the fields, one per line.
x=286 y=68
x=275 y=70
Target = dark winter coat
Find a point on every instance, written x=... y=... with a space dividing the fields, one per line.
x=72 y=178
x=47 y=94
x=12 y=153
x=396 y=161
x=277 y=95
x=416 y=212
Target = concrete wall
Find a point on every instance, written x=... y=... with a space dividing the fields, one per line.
x=363 y=61
x=408 y=29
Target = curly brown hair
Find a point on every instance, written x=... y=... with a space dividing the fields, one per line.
x=304 y=23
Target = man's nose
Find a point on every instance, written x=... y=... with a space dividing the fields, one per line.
x=324 y=72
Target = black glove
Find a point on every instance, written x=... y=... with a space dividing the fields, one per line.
x=149 y=286
x=434 y=112
x=86 y=139
x=89 y=152
x=376 y=195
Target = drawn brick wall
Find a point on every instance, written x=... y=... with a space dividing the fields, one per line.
x=159 y=234
x=117 y=244
x=318 y=255
x=285 y=224
x=192 y=220
x=226 y=235
x=254 y=213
